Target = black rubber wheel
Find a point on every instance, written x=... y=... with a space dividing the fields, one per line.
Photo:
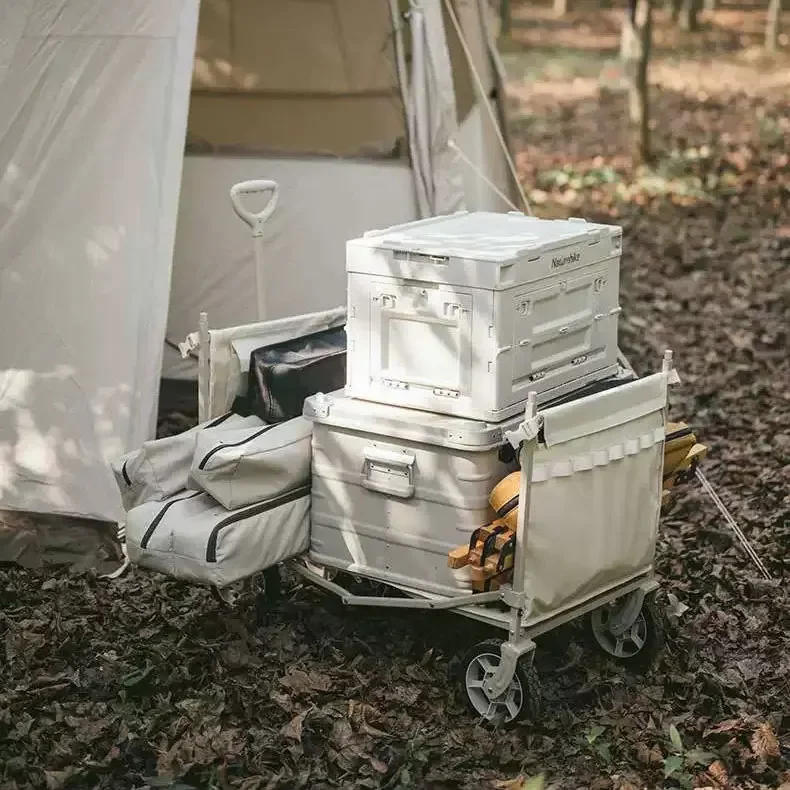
x=521 y=701
x=640 y=645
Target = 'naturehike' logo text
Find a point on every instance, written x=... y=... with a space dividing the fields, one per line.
x=565 y=259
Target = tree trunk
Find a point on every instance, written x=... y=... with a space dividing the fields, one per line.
x=710 y=5
x=689 y=11
x=560 y=7
x=772 y=25
x=504 y=17
x=674 y=6
x=635 y=45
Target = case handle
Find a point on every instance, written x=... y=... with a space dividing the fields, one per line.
x=388 y=472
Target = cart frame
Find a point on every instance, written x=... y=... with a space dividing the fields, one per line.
x=516 y=619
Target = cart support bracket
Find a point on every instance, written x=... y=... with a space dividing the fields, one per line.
x=513 y=599
x=511 y=653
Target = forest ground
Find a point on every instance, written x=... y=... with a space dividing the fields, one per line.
x=145 y=682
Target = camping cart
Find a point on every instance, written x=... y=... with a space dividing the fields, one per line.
x=605 y=453
x=586 y=528
x=394 y=485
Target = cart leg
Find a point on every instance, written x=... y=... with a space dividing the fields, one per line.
x=511 y=652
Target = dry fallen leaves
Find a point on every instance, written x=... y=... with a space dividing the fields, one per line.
x=718 y=772
x=521 y=783
x=764 y=742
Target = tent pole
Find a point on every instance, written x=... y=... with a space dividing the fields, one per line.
x=204 y=407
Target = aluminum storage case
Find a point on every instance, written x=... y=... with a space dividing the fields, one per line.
x=394 y=490
x=464 y=314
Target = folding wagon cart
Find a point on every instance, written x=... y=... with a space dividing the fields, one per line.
x=589 y=507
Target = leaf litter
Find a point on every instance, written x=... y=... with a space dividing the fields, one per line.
x=147 y=682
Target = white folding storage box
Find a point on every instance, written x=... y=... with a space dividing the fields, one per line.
x=394 y=490
x=464 y=314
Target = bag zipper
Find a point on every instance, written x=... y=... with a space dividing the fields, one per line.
x=219 y=420
x=204 y=461
x=212 y=424
x=255 y=510
x=160 y=515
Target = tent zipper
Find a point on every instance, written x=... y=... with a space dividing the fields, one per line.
x=160 y=515
x=204 y=460
x=255 y=510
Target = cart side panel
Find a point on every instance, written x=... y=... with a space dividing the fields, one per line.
x=596 y=497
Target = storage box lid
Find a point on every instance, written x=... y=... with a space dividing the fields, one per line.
x=341 y=411
x=426 y=247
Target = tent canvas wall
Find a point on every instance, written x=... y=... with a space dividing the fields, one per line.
x=350 y=104
x=352 y=115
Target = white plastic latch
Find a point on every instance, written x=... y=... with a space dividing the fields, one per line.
x=320 y=405
x=190 y=345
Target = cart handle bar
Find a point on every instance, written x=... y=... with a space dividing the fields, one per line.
x=259 y=187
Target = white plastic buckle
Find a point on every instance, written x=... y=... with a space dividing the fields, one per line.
x=190 y=345
x=525 y=432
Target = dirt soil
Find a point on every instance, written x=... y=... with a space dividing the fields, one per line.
x=145 y=682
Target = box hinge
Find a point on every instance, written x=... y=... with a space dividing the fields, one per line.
x=393 y=384
x=445 y=393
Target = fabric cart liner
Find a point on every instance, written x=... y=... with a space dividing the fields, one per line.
x=252 y=464
x=193 y=537
x=596 y=495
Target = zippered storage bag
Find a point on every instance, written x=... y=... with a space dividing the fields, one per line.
x=250 y=465
x=193 y=537
x=160 y=468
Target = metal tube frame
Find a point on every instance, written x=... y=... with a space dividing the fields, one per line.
x=204 y=368
x=518 y=643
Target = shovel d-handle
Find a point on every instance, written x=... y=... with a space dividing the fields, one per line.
x=260 y=187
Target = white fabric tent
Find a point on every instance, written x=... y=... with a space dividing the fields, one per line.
x=353 y=116
x=358 y=111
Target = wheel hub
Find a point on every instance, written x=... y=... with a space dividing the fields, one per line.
x=506 y=706
x=625 y=644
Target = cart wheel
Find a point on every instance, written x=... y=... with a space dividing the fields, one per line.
x=640 y=644
x=521 y=700
x=263 y=589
